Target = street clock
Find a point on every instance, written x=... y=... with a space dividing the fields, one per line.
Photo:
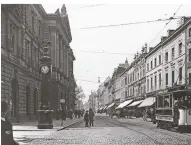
x=44 y=69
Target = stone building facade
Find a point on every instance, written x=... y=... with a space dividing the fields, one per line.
x=23 y=28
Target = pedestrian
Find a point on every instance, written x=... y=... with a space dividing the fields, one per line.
x=86 y=118
x=79 y=113
x=6 y=127
x=63 y=116
x=91 y=117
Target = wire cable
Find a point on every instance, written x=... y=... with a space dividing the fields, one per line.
x=171 y=18
x=103 y=52
x=131 y=23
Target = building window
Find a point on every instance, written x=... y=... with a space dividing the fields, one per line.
x=180 y=75
x=148 y=85
x=189 y=78
x=172 y=53
x=155 y=82
x=155 y=62
x=189 y=33
x=166 y=79
x=180 y=48
x=147 y=66
x=189 y=54
x=151 y=83
x=166 y=57
x=125 y=80
x=151 y=64
x=159 y=80
x=159 y=59
x=172 y=78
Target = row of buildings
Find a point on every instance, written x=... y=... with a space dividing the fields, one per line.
x=24 y=27
x=154 y=69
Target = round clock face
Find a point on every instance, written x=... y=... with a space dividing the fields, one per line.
x=45 y=69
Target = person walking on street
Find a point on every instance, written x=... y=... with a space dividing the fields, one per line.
x=6 y=127
x=86 y=118
x=91 y=117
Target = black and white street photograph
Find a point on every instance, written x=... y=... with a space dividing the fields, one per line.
x=95 y=73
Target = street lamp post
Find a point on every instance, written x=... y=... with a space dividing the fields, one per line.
x=45 y=120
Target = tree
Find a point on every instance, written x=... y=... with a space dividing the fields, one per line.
x=79 y=93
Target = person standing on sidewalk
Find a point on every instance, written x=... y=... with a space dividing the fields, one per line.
x=91 y=117
x=86 y=118
x=6 y=127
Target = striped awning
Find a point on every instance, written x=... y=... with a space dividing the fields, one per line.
x=111 y=105
x=147 y=102
x=124 y=104
x=135 y=103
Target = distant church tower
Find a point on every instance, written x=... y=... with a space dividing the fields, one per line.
x=126 y=63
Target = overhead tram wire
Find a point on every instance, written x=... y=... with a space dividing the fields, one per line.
x=105 y=52
x=171 y=18
x=131 y=23
x=86 y=81
x=91 y=6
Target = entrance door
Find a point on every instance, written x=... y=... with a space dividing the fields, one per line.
x=35 y=101
x=28 y=100
x=14 y=97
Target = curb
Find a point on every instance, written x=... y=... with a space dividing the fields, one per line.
x=53 y=129
x=80 y=121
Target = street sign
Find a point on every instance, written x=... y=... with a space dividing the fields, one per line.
x=62 y=100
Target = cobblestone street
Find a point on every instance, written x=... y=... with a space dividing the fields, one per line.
x=113 y=131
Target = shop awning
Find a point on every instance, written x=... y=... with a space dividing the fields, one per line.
x=147 y=102
x=100 y=108
x=124 y=104
x=135 y=103
x=111 y=105
x=104 y=107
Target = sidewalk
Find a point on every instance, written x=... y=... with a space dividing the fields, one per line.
x=32 y=126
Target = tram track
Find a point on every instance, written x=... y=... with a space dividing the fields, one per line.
x=136 y=125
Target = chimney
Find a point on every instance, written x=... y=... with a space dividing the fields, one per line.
x=163 y=38
x=169 y=32
x=184 y=20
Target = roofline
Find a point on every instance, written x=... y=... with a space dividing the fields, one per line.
x=176 y=32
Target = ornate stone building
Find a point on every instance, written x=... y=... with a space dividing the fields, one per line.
x=23 y=28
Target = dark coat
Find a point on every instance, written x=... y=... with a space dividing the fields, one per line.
x=91 y=115
x=86 y=117
x=7 y=133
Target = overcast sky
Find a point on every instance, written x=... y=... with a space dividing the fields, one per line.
x=122 y=39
